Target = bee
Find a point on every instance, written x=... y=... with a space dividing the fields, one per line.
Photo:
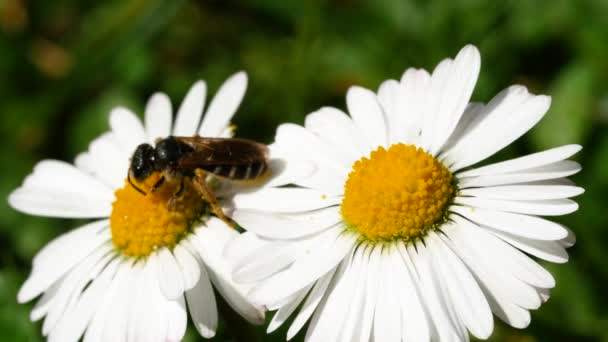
x=177 y=158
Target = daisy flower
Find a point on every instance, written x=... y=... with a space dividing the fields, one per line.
x=130 y=274
x=395 y=236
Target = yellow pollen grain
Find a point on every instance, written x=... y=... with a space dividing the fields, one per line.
x=399 y=193
x=142 y=223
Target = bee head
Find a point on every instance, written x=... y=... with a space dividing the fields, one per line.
x=142 y=162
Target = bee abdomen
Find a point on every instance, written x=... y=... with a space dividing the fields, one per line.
x=239 y=172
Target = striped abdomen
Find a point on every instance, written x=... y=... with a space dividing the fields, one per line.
x=243 y=172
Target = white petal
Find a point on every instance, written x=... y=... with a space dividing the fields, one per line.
x=414 y=320
x=499 y=296
x=556 y=170
x=265 y=262
x=284 y=312
x=455 y=87
x=372 y=288
x=151 y=322
x=285 y=226
x=551 y=251
x=284 y=200
x=190 y=269
x=472 y=116
x=202 y=305
x=431 y=105
x=524 y=192
x=510 y=114
x=509 y=259
x=303 y=143
x=365 y=110
x=310 y=304
x=72 y=285
x=390 y=96
x=468 y=300
x=570 y=240
x=539 y=207
x=127 y=128
x=526 y=162
x=283 y=172
x=352 y=322
x=329 y=317
x=169 y=273
x=387 y=316
x=242 y=245
x=519 y=292
x=44 y=303
x=210 y=247
x=522 y=225
x=106 y=160
x=95 y=329
x=325 y=180
x=119 y=305
x=544 y=294
x=158 y=117
x=447 y=326
x=63 y=205
x=338 y=129
x=190 y=111
x=58 y=189
x=60 y=255
x=224 y=105
x=306 y=269
x=74 y=323
x=177 y=319
x=413 y=106
x=139 y=301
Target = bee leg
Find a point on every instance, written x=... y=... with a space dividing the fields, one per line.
x=158 y=184
x=200 y=184
x=177 y=195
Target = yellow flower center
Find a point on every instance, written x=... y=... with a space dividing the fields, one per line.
x=142 y=223
x=399 y=193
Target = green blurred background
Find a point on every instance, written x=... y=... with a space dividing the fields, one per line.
x=65 y=64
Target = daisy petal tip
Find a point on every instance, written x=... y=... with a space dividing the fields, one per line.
x=574 y=148
x=205 y=332
x=199 y=87
x=158 y=98
x=241 y=77
x=13 y=199
x=356 y=91
x=470 y=47
x=470 y=52
x=27 y=292
x=516 y=89
x=260 y=318
x=118 y=114
x=256 y=298
x=545 y=101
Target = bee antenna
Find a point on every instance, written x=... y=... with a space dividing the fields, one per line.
x=134 y=186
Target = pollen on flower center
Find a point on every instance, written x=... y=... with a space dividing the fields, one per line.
x=399 y=193
x=142 y=223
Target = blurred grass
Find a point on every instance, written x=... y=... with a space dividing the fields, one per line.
x=66 y=63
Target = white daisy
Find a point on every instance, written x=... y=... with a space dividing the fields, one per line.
x=129 y=275
x=394 y=237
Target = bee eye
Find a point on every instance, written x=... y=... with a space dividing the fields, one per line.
x=142 y=162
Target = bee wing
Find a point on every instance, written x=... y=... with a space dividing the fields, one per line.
x=221 y=151
x=198 y=143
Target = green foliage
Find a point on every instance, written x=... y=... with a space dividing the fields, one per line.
x=66 y=63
